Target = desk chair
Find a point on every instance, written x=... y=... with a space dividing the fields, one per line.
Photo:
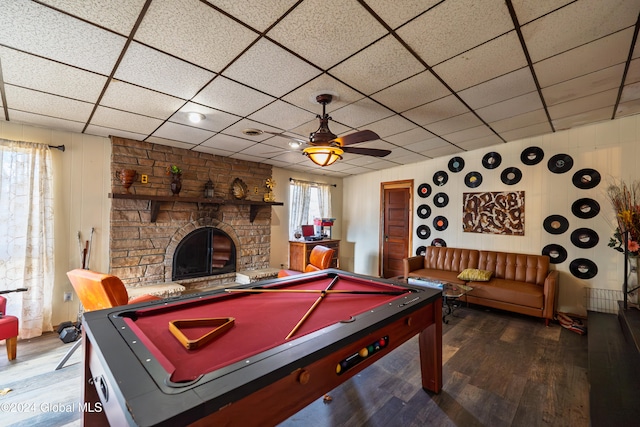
x=98 y=291
x=319 y=259
x=8 y=329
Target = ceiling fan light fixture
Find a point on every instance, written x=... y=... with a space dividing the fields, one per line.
x=195 y=117
x=323 y=156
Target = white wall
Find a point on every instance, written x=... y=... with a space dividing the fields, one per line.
x=81 y=185
x=610 y=147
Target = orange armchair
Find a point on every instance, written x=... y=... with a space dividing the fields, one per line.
x=8 y=329
x=319 y=259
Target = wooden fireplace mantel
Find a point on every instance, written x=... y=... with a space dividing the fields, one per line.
x=154 y=202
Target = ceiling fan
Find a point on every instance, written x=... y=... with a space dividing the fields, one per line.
x=325 y=147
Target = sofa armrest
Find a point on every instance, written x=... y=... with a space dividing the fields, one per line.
x=412 y=263
x=550 y=294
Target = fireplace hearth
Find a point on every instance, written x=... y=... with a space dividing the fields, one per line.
x=206 y=251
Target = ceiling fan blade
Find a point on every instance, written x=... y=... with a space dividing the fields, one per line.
x=375 y=152
x=301 y=141
x=354 y=138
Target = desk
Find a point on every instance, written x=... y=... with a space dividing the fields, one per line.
x=300 y=250
x=251 y=375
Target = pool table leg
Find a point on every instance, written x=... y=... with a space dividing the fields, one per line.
x=430 y=343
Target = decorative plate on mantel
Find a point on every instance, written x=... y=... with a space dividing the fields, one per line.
x=239 y=189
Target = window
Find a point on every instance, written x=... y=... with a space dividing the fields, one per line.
x=307 y=200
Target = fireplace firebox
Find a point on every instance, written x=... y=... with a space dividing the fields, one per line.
x=206 y=251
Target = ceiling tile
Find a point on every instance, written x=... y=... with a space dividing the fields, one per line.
x=583 y=118
x=265 y=150
x=410 y=93
x=527 y=11
x=499 y=89
x=361 y=113
x=447 y=150
x=511 y=107
x=599 y=81
x=106 y=132
x=583 y=105
x=630 y=92
x=182 y=133
x=628 y=108
x=305 y=95
x=453 y=124
x=610 y=51
x=398 y=12
x=237 y=128
x=265 y=66
x=286 y=115
x=410 y=136
x=45 y=121
x=387 y=59
x=118 y=16
x=155 y=70
x=170 y=142
x=227 y=143
x=227 y=95
x=194 y=31
x=633 y=74
x=215 y=120
x=49 y=76
x=211 y=150
x=437 y=110
x=452 y=27
x=322 y=39
x=427 y=145
x=527 y=131
x=475 y=144
x=129 y=122
x=127 y=97
x=257 y=14
x=471 y=134
x=31 y=101
x=523 y=120
x=28 y=26
x=576 y=24
x=490 y=60
x=390 y=126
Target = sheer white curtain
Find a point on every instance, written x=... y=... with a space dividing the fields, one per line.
x=324 y=200
x=26 y=233
x=299 y=205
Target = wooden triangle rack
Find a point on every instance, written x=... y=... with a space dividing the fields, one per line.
x=220 y=324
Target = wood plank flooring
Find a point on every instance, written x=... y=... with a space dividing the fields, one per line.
x=500 y=369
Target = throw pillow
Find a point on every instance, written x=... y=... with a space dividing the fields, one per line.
x=473 y=274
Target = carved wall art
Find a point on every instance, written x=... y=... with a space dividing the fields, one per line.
x=500 y=212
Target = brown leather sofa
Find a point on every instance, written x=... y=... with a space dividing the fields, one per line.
x=521 y=283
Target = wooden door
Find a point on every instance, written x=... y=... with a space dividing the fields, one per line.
x=396 y=226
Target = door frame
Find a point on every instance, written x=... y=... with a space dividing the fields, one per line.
x=389 y=185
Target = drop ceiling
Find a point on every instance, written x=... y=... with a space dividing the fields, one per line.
x=431 y=78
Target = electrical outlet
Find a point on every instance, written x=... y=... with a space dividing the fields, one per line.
x=144 y=179
x=68 y=296
x=255 y=190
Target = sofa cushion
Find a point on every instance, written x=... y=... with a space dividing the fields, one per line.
x=509 y=291
x=450 y=259
x=434 y=274
x=475 y=274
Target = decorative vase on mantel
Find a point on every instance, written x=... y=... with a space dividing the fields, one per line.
x=176 y=183
x=633 y=278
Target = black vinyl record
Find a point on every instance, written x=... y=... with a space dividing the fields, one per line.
x=424 y=190
x=556 y=253
x=421 y=250
x=473 y=179
x=441 y=200
x=491 y=160
x=583 y=268
x=585 y=208
x=584 y=238
x=586 y=178
x=456 y=164
x=439 y=242
x=511 y=176
x=560 y=163
x=440 y=178
x=424 y=211
x=423 y=231
x=440 y=223
x=532 y=156
x=555 y=224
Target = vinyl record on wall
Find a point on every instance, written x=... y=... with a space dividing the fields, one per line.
x=439 y=242
x=424 y=211
x=555 y=224
x=456 y=164
x=584 y=238
x=491 y=160
x=424 y=190
x=421 y=250
x=440 y=178
x=423 y=232
x=585 y=179
x=583 y=268
x=440 y=223
x=560 y=163
x=556 y=253
x=473 y=179
x=511 y=176
x=532 y=156
x=585 y=208
x=441 y=200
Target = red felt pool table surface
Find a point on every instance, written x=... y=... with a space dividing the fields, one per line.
x=262 y=321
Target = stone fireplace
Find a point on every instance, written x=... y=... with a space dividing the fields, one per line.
x=156 y=237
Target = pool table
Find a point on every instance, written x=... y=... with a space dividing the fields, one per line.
x=291 y=340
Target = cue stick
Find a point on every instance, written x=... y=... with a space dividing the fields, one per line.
x=315 y=304
x=336 y=291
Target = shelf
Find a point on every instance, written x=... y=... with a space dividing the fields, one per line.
x=154 y=202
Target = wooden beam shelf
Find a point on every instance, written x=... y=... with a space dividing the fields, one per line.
x=154 y=202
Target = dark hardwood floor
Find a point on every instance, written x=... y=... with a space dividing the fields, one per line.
x=499 y=369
